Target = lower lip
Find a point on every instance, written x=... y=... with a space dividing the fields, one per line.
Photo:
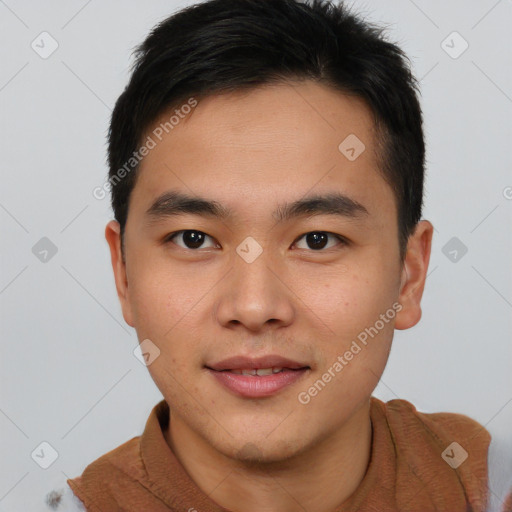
x=254 y=386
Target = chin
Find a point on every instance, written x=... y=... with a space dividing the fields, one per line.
x=263 y=453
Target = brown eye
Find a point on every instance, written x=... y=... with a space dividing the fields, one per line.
x=318 y=240
x=191 y=239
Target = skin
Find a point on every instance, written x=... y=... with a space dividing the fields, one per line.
x=252 y=151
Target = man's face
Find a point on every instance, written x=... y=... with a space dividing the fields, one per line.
x=206 y=295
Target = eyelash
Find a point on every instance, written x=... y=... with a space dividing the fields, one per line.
x=343 y=241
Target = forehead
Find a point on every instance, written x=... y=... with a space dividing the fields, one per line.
x=285 y=139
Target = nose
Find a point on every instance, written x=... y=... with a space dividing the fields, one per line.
x=255 y=296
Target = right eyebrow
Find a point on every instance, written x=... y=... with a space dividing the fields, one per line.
x=176 y=203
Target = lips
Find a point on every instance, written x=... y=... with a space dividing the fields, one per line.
x=257 y=377
x=259 y=363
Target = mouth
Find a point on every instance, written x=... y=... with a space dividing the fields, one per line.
x=244 y=363
x=257 y=377
x=260 y=372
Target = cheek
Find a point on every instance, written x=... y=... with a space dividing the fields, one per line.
x=166 y=307
x=162 y=297
x=348 y=299
x=349 y=304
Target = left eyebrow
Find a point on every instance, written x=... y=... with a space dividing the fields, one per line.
x=327 y=204
x=173 y=203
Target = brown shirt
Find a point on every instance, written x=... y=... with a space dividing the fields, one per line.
x=418 y=462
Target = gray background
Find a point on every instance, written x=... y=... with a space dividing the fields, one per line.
x=68 y=373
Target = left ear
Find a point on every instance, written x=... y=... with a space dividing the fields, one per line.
x=414 y=273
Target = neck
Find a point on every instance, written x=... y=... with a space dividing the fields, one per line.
x=320 y=478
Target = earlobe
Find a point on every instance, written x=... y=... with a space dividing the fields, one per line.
x=414 y=274
x=113 y=237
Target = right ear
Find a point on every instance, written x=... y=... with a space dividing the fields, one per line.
x=113 y=237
